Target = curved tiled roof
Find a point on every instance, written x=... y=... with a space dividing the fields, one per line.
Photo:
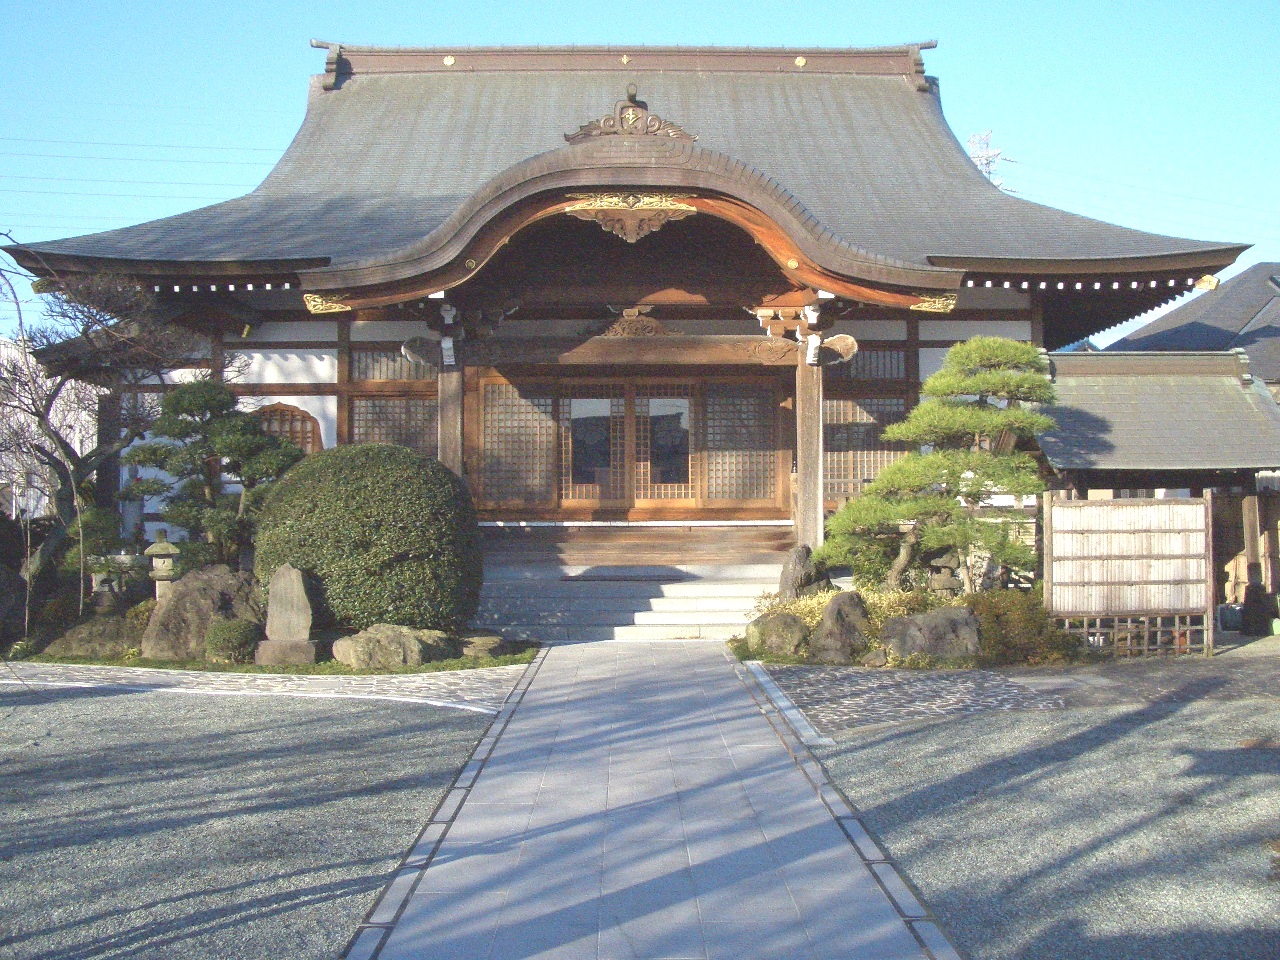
x=851 y=151
x=1244 y=312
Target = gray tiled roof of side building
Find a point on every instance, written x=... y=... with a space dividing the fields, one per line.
x=1243 y=312
x=1115 y=414
x=384 y=160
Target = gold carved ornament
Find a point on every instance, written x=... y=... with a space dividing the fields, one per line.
x=941 y=303
x=630 y=215
x=630 y=118
x=318 y=304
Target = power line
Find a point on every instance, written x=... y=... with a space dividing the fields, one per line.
x=152 y=183
x=136 y=196
x=149 y=146
x=1136 y=186
x=85 y=156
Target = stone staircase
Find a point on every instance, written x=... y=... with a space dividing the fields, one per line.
x=558 y=585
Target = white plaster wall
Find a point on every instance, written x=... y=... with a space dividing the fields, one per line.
x=184 y=375
x=931 y=361
x=993 y=298
x=964 y=329
x=310 y=330
x=365 y=330
x=324 y=409
x=872 y=329
x=285 y=366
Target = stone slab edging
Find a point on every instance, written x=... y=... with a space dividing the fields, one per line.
x=778 y=710
x=367 y=941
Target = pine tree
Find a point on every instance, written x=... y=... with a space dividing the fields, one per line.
x=970 y=422
x=197 y=440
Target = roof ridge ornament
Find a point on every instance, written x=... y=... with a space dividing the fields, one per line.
x=631 y=118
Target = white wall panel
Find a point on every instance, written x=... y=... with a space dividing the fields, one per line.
x=964 y=329
x=285 y=366
x=872 y=329
x=931 y=361
x=322 y=330
x=364 y=330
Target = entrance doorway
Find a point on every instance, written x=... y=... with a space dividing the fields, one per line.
x=644 y=447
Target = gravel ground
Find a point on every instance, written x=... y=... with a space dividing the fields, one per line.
x=144 y=824
x=1136 y=823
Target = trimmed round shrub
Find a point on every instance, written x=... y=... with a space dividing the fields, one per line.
x=387 y=536
x=1014 y=627
x=231 y=641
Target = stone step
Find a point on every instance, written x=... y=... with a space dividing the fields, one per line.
x=627 y=633
x=680 y=573
x=625 y=592
x=515 y=608
x=605 y=617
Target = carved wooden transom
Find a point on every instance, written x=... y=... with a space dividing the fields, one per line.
x=630 y=215
x=631 y=118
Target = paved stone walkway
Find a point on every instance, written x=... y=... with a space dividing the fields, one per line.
x=843 y=698
x=481 y=691
x=638 y=803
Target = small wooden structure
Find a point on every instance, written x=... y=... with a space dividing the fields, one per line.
x=1132 y=576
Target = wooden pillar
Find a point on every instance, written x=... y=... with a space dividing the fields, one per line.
x=808 y=499
x=342 y=426
x=1252 y=538
x=449 y=452
x=107 y=478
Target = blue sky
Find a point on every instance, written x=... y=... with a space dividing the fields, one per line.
x=1156 y=115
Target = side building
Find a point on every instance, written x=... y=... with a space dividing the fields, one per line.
x=629 y=285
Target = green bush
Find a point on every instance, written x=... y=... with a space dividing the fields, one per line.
x=137 y=617
x=231 y=641
x=387 y=535
x=1014 y=627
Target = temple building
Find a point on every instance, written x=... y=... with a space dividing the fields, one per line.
x=626 y=284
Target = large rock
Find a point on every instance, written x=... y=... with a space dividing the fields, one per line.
x=782 y=633
x=945 y=633
x=181 y=620
x=484 y=644
x=277 y=653
x=385 y=646
x=800 y=576
x=842 y=634
x=288 y=607
x=102 y=638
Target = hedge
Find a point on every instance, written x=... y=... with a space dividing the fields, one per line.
x=385 y=534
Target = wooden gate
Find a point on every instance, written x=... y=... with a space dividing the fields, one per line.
x=1132 y=576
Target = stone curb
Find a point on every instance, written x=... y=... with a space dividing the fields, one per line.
x=778 y=709
x=366 y=943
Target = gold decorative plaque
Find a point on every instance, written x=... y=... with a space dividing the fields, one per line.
x=941 y=303
x=318 y=304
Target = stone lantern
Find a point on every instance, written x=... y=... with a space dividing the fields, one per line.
x=162 y=553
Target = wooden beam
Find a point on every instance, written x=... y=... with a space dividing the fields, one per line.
x=808 y=509
x=449 y=451
x=658 y=350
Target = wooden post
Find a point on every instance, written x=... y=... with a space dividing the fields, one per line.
x=808 y=508
x=449 y=451
x=343 y=422
x=1211 y=576
x=1046 y=556
x=1252 y=538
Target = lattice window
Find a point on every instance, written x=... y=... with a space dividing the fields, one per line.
x=388 y=364
x=593 y=438
x=664 y=442
x=741 y=461
x=408 y=421
x=519 y=442
x=853 y=453
x=873 y=364
x=290 y=423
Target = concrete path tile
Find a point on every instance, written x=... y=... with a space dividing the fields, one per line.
x=638 y=806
